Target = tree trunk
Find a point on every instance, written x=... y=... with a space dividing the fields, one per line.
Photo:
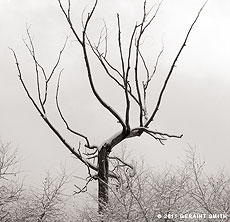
x=103 y=170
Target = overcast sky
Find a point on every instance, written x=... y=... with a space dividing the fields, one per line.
x=196 y=103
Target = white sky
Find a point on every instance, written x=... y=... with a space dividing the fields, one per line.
x=196 y=102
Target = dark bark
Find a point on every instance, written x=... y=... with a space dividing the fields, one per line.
x=103 y=170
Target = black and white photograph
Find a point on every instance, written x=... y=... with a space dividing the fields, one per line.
x=115 y=111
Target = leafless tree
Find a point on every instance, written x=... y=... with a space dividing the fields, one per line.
x=10 y=188
x=18 y=203
x=129 y=79
x=166 y=195
x=211 y=193
x=145 y=195
x=45 y=203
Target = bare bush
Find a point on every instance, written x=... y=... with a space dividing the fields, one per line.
x=18 y=203
x=10 y=187
x=45 y=203
x=173 y=194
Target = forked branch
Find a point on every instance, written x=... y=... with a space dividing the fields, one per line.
x=44 y=117
x=62 y=116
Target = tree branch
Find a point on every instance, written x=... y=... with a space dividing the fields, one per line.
x=67 y=145
x=88 y=67
x=63 y=118
x=172 y=68
x=125 y=74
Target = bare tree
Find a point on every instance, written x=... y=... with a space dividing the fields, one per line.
x=145 y=195
x=210 y=193
x=45 y=203
x=10 y=188
x=129 y=79
x=166 y=195
x=18 y=203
